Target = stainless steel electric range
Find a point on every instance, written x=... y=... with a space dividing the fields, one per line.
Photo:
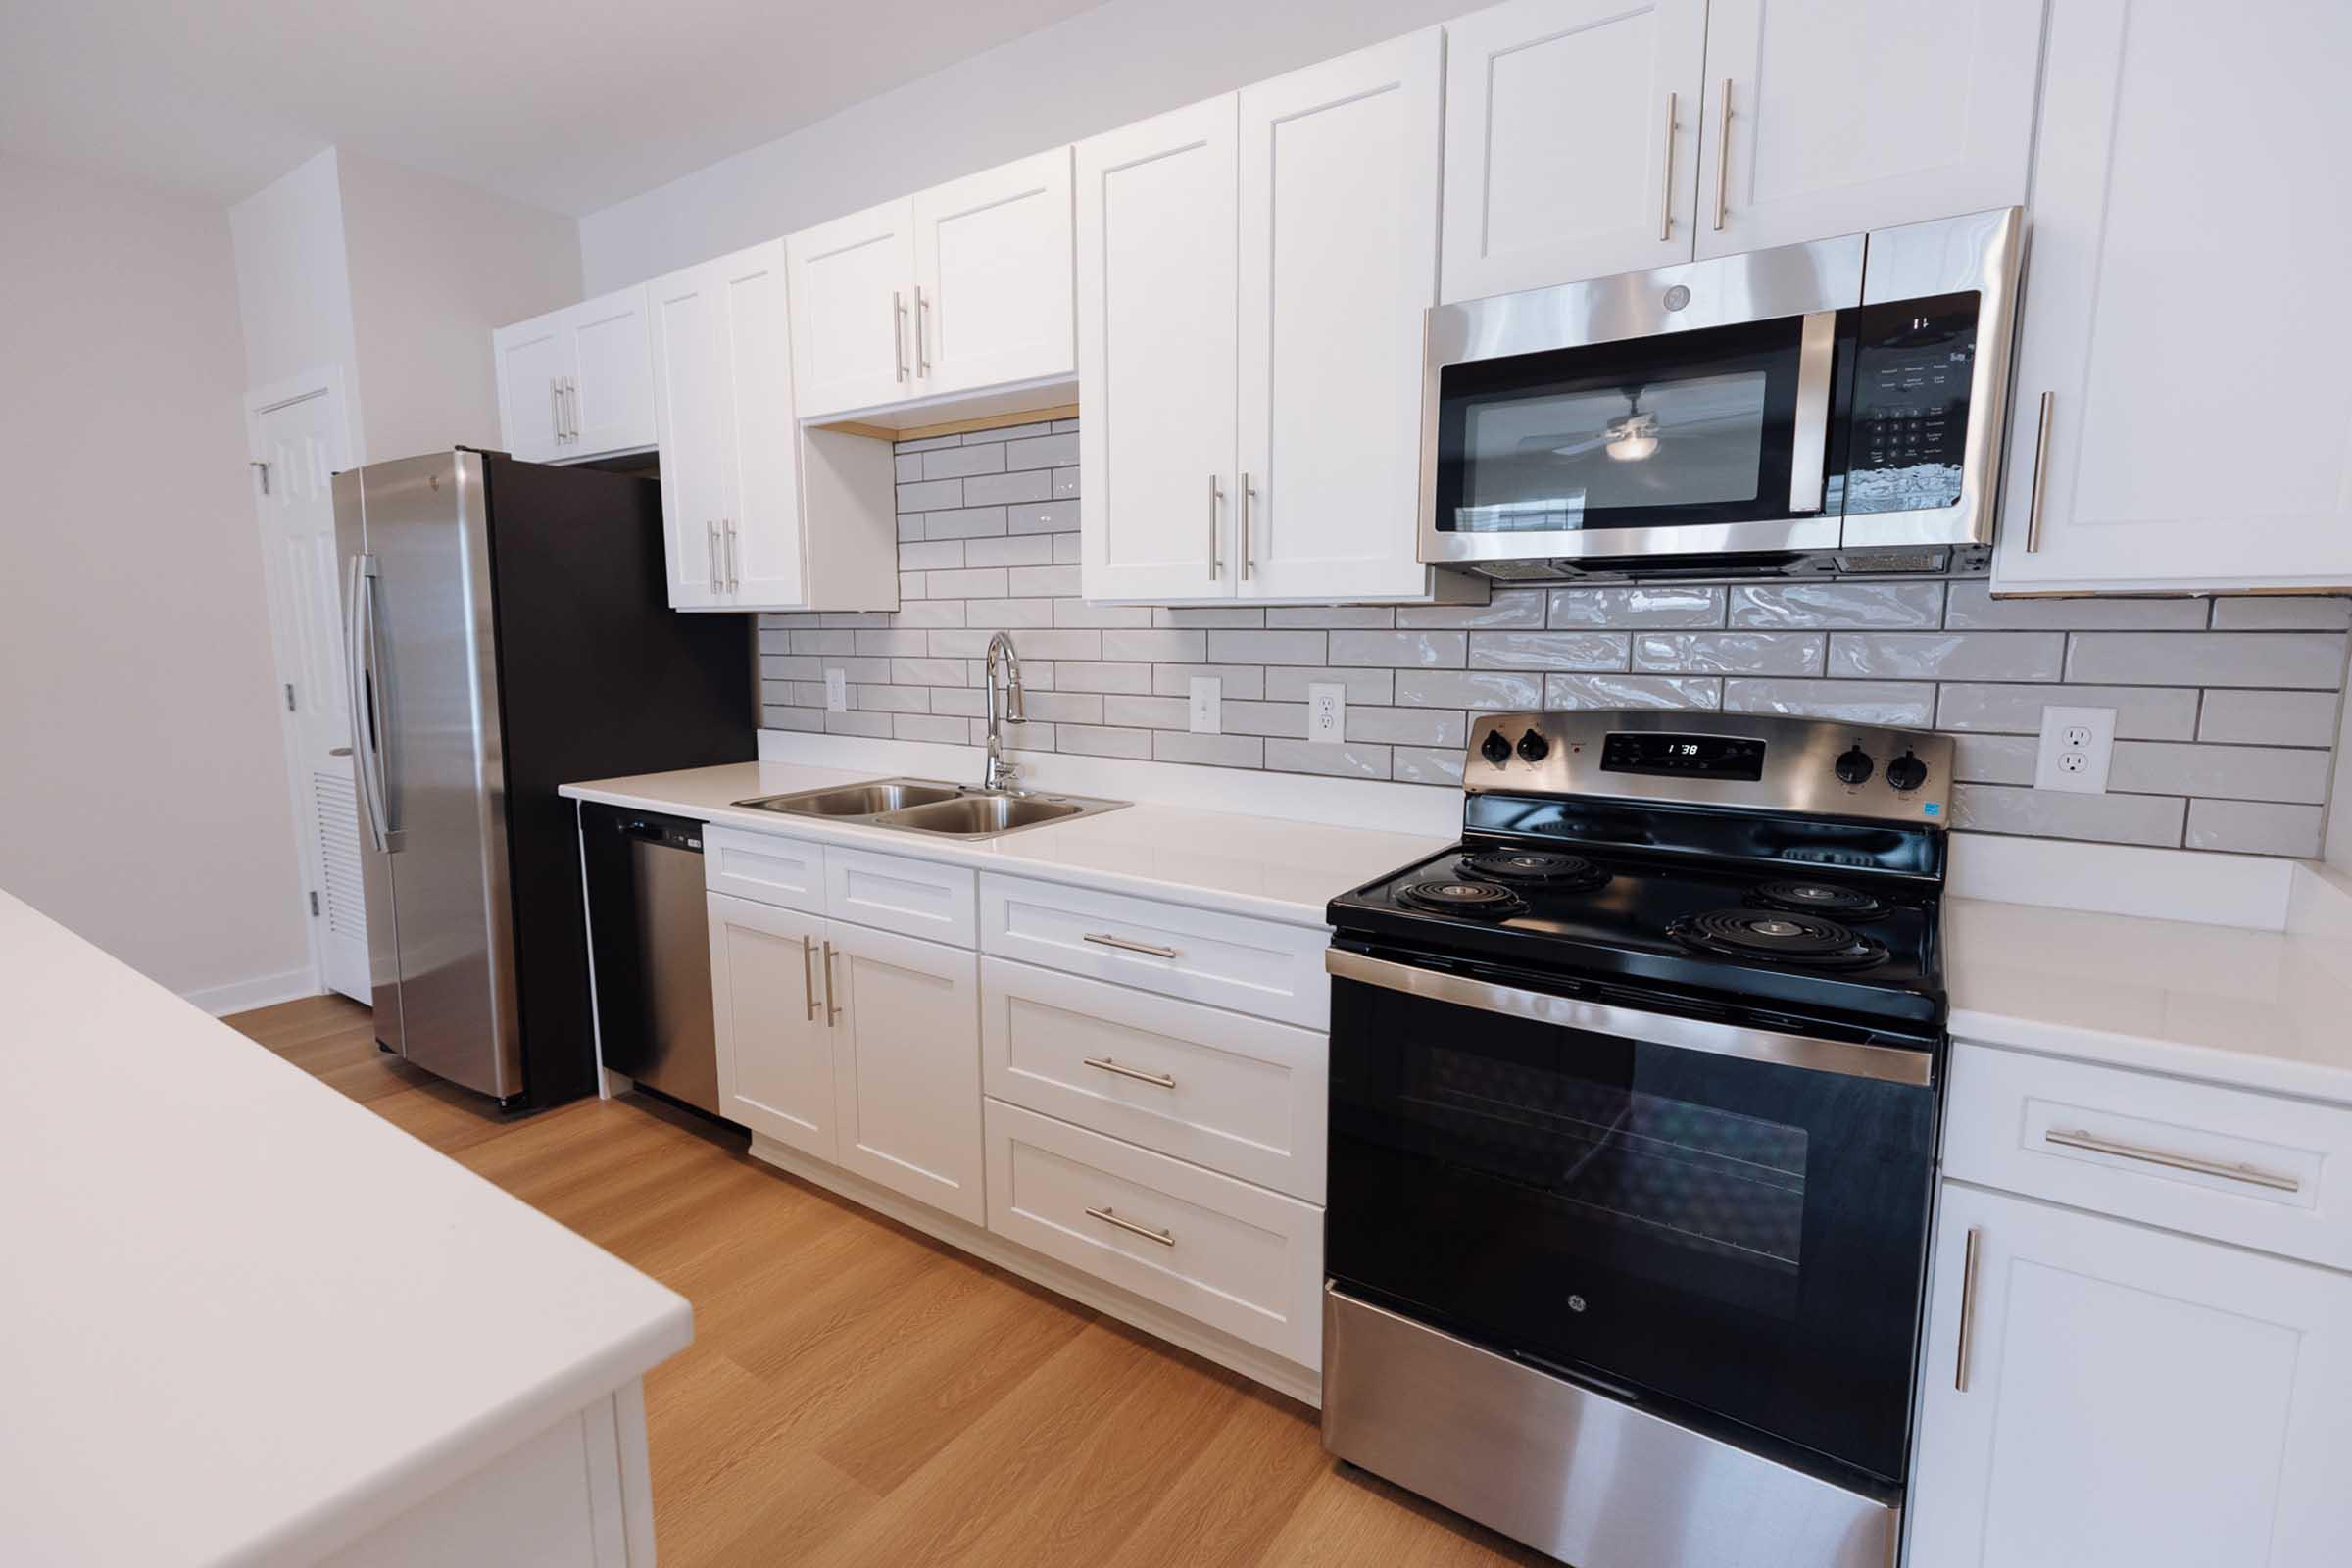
x=1633 y=1107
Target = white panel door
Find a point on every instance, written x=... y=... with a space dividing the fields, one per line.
x=1339 y=244
x=691 y=428
x=775 y=1036
x=2132 y=1398
x=1156 y=355
x=1850 y=114
x=1572 y=131
x=2188 y=164
x=907 y=1065
x=611 y=392
x=534 y=363
x=993 y=261
x=852 y=282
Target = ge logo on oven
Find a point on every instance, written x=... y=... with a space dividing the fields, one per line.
x=1576 y=1303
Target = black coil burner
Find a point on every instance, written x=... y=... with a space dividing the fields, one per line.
x=1545 y=868
x=1820 y=898
x=1488 y=900
x=1780 y=936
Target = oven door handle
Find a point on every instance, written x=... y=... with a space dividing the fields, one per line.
x=1892 y=1065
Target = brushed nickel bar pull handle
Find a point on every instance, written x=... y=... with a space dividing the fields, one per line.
x=1137 y=1073
x=1723 y=156
x=922 y=331
x=1248 y=490
x=897 y=331
x=832 y=1008
x=1968 y=1309
x=710 y=539
x=571 y=402
x=1215 y=495
x=1104 y=1214
x=1106 y=939
x=734 y=572
x=554 y=402
x=1666 y=195
x=809 y=974
x=2042 y=450
x=2252 y=1176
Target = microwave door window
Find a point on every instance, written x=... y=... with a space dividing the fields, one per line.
x=1548 y=461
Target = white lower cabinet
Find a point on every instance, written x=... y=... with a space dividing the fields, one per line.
x=907 y=1065
x=775 y=1047
x=2103 y=1394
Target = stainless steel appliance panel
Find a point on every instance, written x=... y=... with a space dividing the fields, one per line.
x=1592 y=1480
x=679 y=1055
x=359 y=663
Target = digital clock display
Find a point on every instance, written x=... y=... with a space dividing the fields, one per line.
x=1725 y=757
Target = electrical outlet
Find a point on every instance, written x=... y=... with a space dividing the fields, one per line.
x=1325 y=712
x=837 y=691
x=1207 y=712
x=2077 y=746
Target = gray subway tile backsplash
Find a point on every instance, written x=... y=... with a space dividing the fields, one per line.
x=2227 y=708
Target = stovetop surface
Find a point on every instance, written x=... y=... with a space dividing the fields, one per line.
x=1621 y=930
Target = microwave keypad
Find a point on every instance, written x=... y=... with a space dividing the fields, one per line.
x=1914 y=360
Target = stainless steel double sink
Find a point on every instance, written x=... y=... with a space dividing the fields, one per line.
x=929 y=805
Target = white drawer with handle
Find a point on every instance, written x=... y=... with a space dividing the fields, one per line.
x=1244 y=1095
x=1230 y=1254
x=1227 y=960
x=764 y=868
x=2257 y=1170
x=891 y=892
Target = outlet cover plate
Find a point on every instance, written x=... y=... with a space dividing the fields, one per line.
x=2077 y=746
x=1327 y=711
x=837 y=691
x=1207 y=709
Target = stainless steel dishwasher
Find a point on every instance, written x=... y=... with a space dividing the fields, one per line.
x=651 y=947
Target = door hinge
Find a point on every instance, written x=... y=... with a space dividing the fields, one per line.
x=289 y=697
x=313 y=904
x=264 y=468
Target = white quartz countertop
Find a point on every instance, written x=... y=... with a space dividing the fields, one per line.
x=2258 y=1009
x=1255 y=865
x=244 y=1319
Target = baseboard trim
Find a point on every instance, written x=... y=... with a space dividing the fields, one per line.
x=1282 y=1375
x=262 y=991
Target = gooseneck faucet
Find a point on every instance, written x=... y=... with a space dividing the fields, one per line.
x=999 y=774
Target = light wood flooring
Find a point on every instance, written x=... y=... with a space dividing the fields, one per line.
x=858 y=1394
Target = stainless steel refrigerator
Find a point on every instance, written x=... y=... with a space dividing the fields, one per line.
x=505 y=630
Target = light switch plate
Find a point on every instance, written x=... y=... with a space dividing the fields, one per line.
x=1207 y=710
x=2077 y=746
x=837 y=691
x=1325 y=712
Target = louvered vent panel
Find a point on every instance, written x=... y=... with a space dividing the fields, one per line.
x=346 y=900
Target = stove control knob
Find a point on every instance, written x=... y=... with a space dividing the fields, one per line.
x=1533 y=746
x=1854 y=766
x=1494 y=748
x=1906 y=772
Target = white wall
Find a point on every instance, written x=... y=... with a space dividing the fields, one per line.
x=294 y=283
x=142 y=784
x=1103 y=68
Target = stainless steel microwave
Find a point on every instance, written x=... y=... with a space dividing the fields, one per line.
x=1826 y=408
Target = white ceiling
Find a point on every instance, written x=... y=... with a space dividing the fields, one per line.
x=566 y=104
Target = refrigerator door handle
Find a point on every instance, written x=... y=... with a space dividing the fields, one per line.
x=355 y=674
x=374 y=773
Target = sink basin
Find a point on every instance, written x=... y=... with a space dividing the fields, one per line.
x=971 y=815
x=855 y=800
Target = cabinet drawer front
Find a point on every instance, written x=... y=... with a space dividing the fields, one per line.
x=764 y=868
x=1235 y=1257
x=1242 y=1096
x=890 y=893
x=2255 y=1170
x=1255 y=966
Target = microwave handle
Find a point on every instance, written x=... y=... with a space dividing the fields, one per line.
x=1808 y=458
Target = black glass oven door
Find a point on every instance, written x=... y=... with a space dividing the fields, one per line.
x=1738 y=1235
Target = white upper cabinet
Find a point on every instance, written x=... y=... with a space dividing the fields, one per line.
x=1571 y=141
x=1157 y=276
x=992 y=278
x=2098 y=1395
x=1852 y=115
x=2167 y=435
x=577 y=383
x=1339 y=245
x=853 y=303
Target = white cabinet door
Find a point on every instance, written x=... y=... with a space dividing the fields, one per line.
x=1572 y=133
x=612 y=359
x=533 y=363
x=852 y=283
x=1850 y=114
x=1156 y=355
x=993 y=278
x=907 y=1065
x=1339 y=218
x=776 y=1044
x=2192 y=442
x=2132 y=1398
x=690 y=426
